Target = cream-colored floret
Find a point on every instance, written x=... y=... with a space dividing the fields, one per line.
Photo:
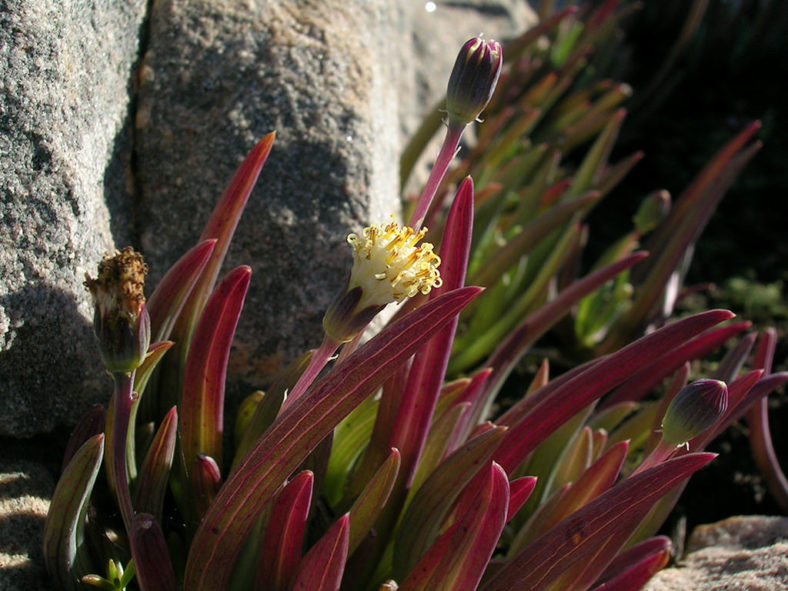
x=389 y=266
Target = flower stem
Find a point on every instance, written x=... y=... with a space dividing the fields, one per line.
x=445 y=156
x=124 y=397
x=316 y=364
x=663 y=451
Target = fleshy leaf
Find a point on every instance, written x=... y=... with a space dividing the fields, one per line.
x=514 y=346
x=206 y=479
x=611 y=516
x=636 y=558
x=63 y=531
x=431 y=503
x=167 y=300
x=575 y=394
x=202 y=404
x=299 y=430
x=428 y=370
x=323 y=565
x=367 y=506
x=280 y=552
x=456 y=561
x=151 y=484
x=519 y=491
x=760 y=434
x=650 y=375
x=638 y=574
x=91 y=424
x=152 y=564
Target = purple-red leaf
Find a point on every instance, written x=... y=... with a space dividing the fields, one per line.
x=281 y=549
x=519 y=491
x=508 y=353
x=635 y=555
x=202 y=403
x=564 y=402
x=206 y=478
x=428 y=370
x=431 y=504
x=457 y=560
x=152 y=564
x=322 y=567
x=758 y=421
x=645 y=379
x=167 y=300
x=299 y=430
x=613 y=515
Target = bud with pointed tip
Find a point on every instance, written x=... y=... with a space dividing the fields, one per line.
x=473 y=79
x=694 y=409
x=121 y=322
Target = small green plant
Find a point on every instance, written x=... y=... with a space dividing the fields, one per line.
x=386 y=466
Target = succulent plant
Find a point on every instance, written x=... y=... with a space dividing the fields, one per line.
x=396 y=464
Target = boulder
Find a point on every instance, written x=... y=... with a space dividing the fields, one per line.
x=65 y=146
x=737 y=554
x=119 y=126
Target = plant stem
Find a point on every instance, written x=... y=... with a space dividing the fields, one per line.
x=663 y=451
x=445 y=156
x=124 y=398
x=316 y=364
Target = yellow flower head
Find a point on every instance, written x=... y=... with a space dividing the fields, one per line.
x=389 y=266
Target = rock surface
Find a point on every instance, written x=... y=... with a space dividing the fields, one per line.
x=340 y=81
x=738 y=554
x=25 y=489
x=65 y=71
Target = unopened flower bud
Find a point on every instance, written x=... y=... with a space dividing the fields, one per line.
x=652 y=211
x=121 y=322
x=694 y=409
x=473 y=79
x=388 y=266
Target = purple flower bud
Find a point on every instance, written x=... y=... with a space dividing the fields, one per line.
x=473 y=79
x=121 y=322
x=696 y=408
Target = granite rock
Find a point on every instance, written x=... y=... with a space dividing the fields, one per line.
x=341 y=82
x=737 y=554
x=120 y=123
x=65 y=71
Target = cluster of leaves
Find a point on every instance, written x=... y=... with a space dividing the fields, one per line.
x=384 y=473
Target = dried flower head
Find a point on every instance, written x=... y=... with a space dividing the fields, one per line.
x=121 y=322
x=388 y=266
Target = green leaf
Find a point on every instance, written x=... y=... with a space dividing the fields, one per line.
x=151 y=485
x=372 y=499
x=64 y=556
